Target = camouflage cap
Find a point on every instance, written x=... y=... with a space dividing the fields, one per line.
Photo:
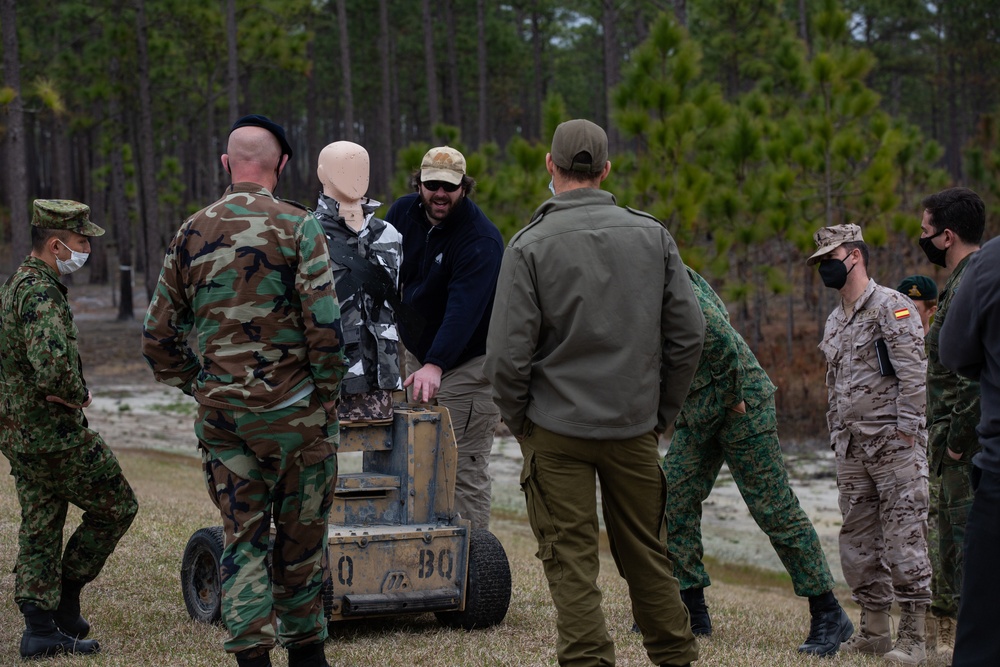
x=64 y=214
x=580 y=145
x=830 y=238
x=918 y=288
x=443 y=163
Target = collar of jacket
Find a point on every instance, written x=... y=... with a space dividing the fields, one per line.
x=39 y=266
x=573 y=199
x=859 y=304
x=247 y=186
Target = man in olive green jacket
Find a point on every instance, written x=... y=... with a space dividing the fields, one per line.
x=593 y=341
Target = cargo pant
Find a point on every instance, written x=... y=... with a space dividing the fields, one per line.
x=749 y=445
x=87 y=476
x=951 y=499
x=883 y=540
x=558 y=481
x=467 y=394
x=282 y=466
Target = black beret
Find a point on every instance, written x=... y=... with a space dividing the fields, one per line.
x=256 y=120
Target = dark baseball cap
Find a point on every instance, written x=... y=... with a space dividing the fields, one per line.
x=918 y=288
x=580 y=145
x=256 y=120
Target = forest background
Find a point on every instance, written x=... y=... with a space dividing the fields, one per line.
x=744 y=125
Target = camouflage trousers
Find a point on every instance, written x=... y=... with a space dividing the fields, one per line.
x=950 y=501
x=748 y=444
x=883 y=540
x=87 y=476
x=281 y=467
x=467 y=394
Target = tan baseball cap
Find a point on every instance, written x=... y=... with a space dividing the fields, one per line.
x=64 y=214
x=443 y=163
x=831 y=238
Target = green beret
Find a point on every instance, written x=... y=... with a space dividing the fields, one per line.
x=64 y=214
x=918 y=288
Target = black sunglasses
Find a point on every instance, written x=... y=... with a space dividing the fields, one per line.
x=434 y=186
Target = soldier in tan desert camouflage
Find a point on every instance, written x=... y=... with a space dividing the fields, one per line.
x=875 y=378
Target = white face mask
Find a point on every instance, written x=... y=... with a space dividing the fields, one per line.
x=75 y=261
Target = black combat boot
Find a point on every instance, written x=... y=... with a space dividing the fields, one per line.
x=67 y=614
x=42 y=638
x=829 y=626
x=310 y=655
x=701 y=622
x=253 y=657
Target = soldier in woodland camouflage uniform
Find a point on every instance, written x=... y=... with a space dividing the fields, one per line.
x=951 y=229
x=251 y=274
x=54 y=457
x=873 y=345
x=728 y=416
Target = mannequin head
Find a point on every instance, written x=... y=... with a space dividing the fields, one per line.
x=343 y=169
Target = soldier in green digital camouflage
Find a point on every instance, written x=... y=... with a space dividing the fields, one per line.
x=55 y=458
x=950 y=232
x=251 y=275
x=728 y=416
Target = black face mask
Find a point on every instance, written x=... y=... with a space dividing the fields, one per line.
x=935 y=254
x=834 y=272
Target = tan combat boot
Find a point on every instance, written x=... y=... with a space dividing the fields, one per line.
x=931 y=628
x=909 y=648
x=946 y=637
x=873 y=634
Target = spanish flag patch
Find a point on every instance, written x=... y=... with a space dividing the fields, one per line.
x=902 y=313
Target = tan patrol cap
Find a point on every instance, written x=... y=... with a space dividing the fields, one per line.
x=64 y=214
x=443 y=163
x=830 y=238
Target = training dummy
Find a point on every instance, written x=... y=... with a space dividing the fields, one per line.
x=366 y=253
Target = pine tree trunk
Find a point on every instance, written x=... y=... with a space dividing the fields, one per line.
x=385 y=137
x=14 y=140
x=119 y=204
x=232 y=71
x=433 y=103
x=152 y=232
x=483 y=101
x=345 y=72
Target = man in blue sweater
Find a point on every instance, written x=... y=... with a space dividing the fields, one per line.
x=451 y=260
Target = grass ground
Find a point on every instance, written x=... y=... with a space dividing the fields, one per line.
x=138 y=614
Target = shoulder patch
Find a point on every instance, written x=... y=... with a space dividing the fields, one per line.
x=901 y=313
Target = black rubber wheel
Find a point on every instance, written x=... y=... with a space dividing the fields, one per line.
x=200 y=581
x=487 y=595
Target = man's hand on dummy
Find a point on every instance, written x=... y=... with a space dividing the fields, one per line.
x=425 y=382
x=72 y=406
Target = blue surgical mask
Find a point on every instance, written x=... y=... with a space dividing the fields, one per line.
x=552 y=186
